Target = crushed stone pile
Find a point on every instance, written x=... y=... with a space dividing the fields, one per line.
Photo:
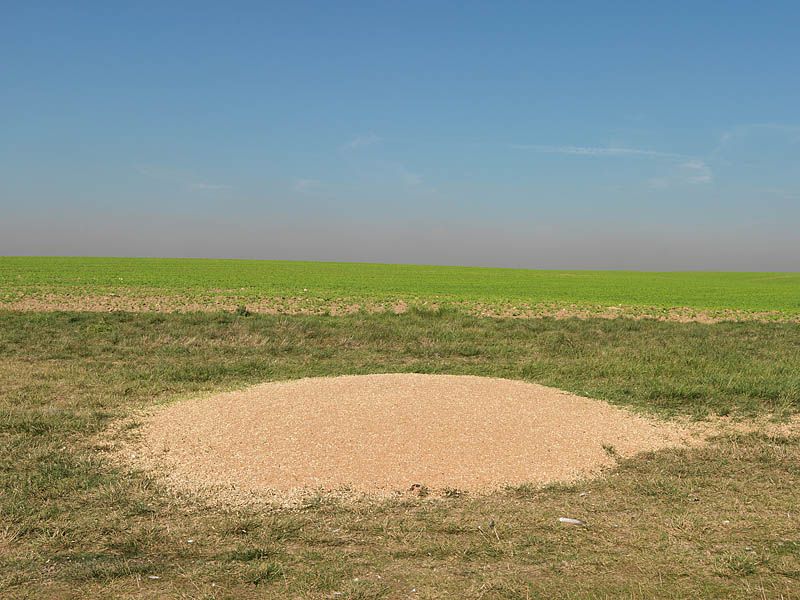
x=383 y=434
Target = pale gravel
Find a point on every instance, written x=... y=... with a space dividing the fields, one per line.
x=382 y=434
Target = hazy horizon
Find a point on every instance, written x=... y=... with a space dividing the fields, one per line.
x=659 y=137
x=419 y=247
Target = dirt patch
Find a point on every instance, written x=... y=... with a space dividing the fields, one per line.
x=217 y=301
x=146 y=303
x=389 y=434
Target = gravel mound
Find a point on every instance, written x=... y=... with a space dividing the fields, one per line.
x=383 y=434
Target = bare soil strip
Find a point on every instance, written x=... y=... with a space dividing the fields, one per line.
x=388 y=434
x=308 y=305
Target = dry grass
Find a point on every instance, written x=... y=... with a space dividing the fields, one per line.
x=715 y=521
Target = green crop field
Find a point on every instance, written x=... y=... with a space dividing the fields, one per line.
x=251 y=280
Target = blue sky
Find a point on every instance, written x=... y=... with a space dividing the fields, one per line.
x=585 y=135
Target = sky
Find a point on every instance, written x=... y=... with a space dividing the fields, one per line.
x=619 y=135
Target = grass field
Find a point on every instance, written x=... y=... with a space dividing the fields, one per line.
x=718 y=521
x=196 y=281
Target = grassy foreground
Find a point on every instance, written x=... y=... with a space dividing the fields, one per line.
x=318 y=283
x=718 y=521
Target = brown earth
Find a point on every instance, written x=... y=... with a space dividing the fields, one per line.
x=307 y=305
x=389 y=434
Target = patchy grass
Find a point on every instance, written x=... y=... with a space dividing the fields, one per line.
x=717 y=521
x=670 y=368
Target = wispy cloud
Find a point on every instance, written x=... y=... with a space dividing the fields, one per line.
x=793 y=131
x=369 y=166
x=180 y=177
x=783 y=194
x=305 y=185
x=201 y=185
x=694 y=172
x=785 y=131
x=406 y=175
x=682 y=168
x=158 y=172
x=598 y=151
x=412 y=178
x=697 y=171
x=391 y=171
x=659 y=183
x=362 y=141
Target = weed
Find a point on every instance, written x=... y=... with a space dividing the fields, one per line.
x=261 y=574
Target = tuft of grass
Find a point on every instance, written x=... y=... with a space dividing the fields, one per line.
x=262 y=574
x=249 y=554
